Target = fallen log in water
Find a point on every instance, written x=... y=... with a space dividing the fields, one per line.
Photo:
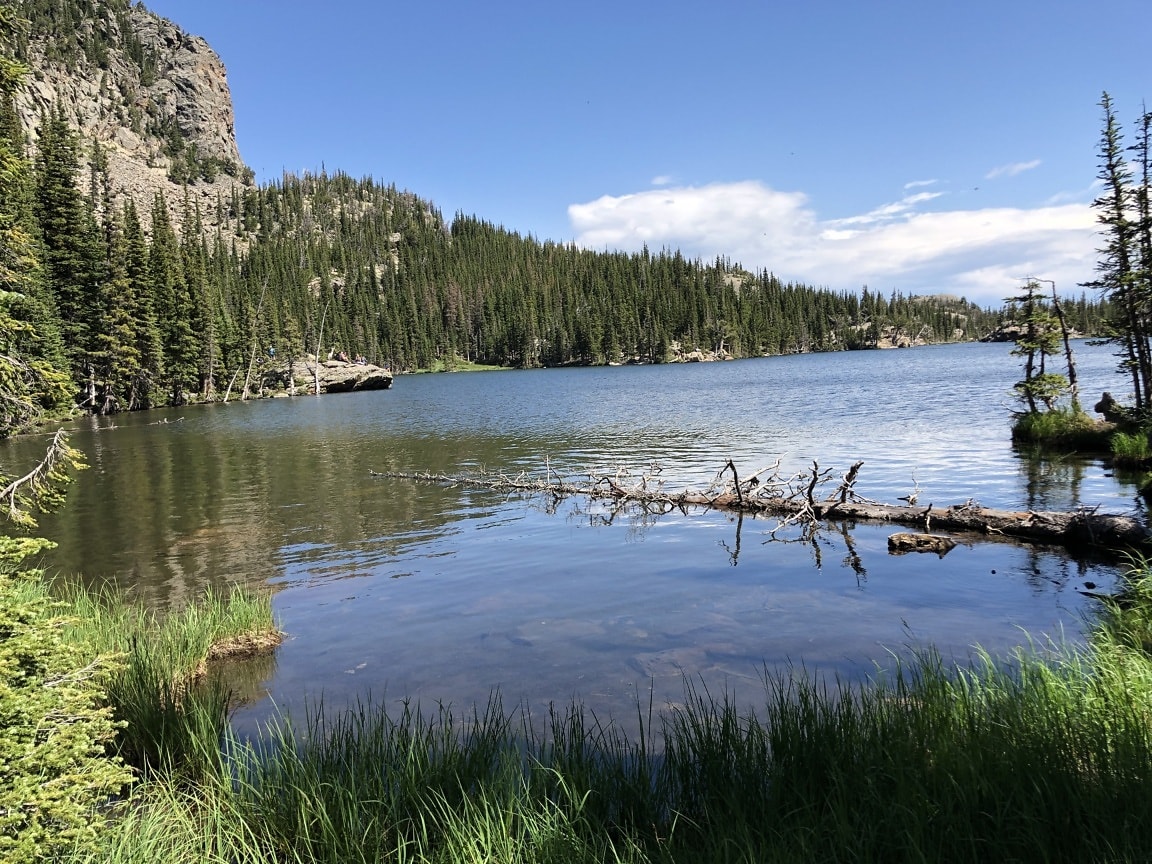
x=794 y=501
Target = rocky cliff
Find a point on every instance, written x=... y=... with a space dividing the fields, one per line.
x=154 y=97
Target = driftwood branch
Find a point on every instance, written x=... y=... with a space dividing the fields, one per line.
x=795 y=500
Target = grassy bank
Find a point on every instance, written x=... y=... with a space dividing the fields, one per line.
x=99 y=697
x=459 y=365
x=1063 y=428
x=174 y=717
x=1128 y=443
x=1046 y=757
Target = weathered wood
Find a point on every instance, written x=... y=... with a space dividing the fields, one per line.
x=794 y=502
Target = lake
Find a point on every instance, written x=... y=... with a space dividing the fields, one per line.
x=446 y=593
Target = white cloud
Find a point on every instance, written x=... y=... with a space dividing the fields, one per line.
x=917 y=183
x=662 y=180
x=978 y=253
x=1012 y=169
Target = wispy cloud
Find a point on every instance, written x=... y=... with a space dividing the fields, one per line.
x=887 y=212
x=915 y=184
x=1088 y=193
x=1012 y=169
x=662 y=180
x=977 y=253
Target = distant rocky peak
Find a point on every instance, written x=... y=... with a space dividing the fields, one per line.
x=154 y=97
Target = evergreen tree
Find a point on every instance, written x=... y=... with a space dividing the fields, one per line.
x=115 y=354
x=72 y=253
x=173 y=307
x=30 y=382
x=1118 y=279
x=146 y=333
x=1038 y=340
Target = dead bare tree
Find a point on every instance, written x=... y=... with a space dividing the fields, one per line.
x=255 y=342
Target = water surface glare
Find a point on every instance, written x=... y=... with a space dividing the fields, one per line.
x=446 y=593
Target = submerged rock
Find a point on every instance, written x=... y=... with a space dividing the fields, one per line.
x=903 y=542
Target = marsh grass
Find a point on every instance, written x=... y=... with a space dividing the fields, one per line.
x=218 y=625
x=1044 y=759
x=459 y=364
x=1064 y=428
x=1131 y=449
x=163 y=822
x=173 y=717
x=1042 y=756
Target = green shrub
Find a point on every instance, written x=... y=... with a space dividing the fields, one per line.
x=55 y=774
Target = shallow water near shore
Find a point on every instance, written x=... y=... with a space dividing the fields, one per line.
x=422 y=591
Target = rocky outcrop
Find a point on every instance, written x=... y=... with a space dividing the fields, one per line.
x=1009 y=332
x=336 y=376
x=147 y=115
x=892 y=336
x=677 y=354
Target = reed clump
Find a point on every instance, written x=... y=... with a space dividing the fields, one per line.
x=1131 y=449
x=173 y=716
x=1046 y=755
x=1065 y=428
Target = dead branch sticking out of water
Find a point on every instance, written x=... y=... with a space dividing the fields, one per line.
x=797 y=500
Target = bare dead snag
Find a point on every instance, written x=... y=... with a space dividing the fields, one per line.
x=735 y=482
x=849 y=481
x=812 y=484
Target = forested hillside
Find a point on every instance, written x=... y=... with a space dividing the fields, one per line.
x=171 y=299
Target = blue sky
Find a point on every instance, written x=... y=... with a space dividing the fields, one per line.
x=919 y=146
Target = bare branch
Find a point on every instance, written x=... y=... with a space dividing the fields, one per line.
x=39 y=487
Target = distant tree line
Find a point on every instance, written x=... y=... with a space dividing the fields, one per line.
x=141 y=314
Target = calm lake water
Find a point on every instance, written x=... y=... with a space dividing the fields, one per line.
x=410 y=590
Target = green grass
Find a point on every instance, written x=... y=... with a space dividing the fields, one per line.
x=220 y=623
x=174 y=718
x=1042 y=756
x=460 y=365
x=1044 y=759
x=1064 y=428
x=1131 y=449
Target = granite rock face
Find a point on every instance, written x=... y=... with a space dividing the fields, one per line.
x=135 y=115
